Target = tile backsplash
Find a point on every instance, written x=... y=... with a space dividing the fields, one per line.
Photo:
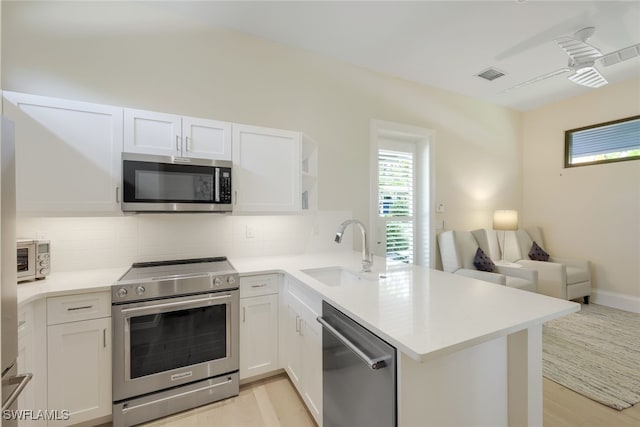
x=105 y=242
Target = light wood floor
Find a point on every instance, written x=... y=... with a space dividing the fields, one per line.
x=273 y=402
x=564 y=408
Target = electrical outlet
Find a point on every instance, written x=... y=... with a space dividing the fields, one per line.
x=250 y=231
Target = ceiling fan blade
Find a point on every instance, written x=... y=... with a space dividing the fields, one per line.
x=621 y=55
x=588 y=76
x=578 y=50
x=539 y=78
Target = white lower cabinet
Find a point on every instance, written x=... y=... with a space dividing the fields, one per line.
x=301 y=343
x=258 y=325
x=79 y=356
x=31 y=359
x=26 y=359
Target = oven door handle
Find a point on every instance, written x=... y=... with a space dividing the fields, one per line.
x=195 y=302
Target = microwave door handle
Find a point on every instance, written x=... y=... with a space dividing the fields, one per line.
x=217 y=184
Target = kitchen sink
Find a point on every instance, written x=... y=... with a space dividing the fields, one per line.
x=339 y=276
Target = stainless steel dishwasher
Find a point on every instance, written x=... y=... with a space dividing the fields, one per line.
x=358 y=374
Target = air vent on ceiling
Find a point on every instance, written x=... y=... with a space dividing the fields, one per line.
x=490 y=74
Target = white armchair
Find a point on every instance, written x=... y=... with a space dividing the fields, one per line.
x=458 y=249
x=559 y=277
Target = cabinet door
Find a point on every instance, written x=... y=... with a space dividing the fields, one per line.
x=258 y=335
x=206 y=139
x=266 y=170
x=79 y=369
x=312 y=356
x=26 y=361
x=67 y=154
x=149 y=132
x=292 y=345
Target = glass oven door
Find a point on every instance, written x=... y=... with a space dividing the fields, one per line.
x=175 y=341
x=26 y=261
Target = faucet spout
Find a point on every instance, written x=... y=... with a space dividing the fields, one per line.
x=367 y=257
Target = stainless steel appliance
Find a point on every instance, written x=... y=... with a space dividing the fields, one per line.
x=12 y=383
x=33 y=259
x=175 y=337
x=358 y=374
x=175 y=184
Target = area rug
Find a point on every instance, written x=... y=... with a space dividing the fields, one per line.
x=595 y=352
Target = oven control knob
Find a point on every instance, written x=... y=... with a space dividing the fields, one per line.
x=217 y=281
x=121 y=293
x=43 y=271
x=140 y=290
x=231 y=280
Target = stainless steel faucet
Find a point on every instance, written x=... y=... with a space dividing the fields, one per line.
x=367 y=257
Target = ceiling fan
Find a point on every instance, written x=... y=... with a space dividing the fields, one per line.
x=582 y=60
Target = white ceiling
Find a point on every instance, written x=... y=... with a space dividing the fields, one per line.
x=444 y=43
x=437 y=43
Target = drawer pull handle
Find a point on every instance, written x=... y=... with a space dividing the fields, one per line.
x=84 y=307
x=259 y=286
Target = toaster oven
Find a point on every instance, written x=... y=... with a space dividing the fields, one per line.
x=34 y=261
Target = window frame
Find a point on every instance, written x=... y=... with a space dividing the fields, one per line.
x=567 y=144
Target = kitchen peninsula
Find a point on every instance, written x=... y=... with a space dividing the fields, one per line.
x=469 y=352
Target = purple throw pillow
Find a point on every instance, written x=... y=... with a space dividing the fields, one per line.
x=537 y=253
x=482 y=262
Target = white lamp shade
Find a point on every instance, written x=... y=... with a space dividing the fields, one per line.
x=505 y=220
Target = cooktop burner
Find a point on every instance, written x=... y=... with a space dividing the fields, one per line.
x=162 y=279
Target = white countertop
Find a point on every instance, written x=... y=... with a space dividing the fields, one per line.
x=68 y=283
x=424 y=313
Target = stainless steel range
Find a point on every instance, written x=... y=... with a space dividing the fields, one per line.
x=175 y=337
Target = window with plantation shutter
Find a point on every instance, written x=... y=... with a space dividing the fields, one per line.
x=396 y=202
x=603 y=143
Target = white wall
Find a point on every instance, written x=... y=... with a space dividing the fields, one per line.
x=133 y=54
x=103 y=242
x=590 y=212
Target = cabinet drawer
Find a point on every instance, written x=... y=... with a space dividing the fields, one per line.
x=72 y=308
x=263 y=284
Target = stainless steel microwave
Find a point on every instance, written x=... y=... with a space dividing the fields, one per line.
x=153 y=183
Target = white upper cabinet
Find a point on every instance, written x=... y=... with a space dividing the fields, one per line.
x=206 y=139
x=67 y=154
x=266 y=169
x=150 y=132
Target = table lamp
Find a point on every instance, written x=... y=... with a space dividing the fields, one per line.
x=505 y=220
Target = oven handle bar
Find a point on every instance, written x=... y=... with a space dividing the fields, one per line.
x=186 y=393
x=174 y=304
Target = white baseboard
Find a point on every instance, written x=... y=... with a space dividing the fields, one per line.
x=616 y=300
